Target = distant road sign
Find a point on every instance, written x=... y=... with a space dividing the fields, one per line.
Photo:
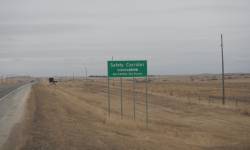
x=133 y=68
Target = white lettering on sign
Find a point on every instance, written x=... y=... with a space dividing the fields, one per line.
x=127 y=69
x=116 y=65
x=134 y=65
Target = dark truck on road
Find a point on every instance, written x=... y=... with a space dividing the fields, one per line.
x=52 y=80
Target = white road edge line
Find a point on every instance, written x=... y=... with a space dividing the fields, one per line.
x=13 y=91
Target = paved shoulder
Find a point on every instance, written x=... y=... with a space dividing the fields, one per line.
x=7 y=88
x=11 y=110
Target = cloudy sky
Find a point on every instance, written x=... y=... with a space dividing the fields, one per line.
x=59 y=37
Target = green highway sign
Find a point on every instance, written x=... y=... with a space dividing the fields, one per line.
x=133 y=68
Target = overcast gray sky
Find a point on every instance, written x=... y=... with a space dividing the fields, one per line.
x=58 y=37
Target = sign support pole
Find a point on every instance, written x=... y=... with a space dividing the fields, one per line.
x=146 y=88
x=121 y=99
x=108 y=99
x=128 y=69
x=134 y=94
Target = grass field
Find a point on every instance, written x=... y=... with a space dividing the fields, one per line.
x=73 y=115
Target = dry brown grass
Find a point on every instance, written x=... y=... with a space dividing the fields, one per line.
x=73 y=115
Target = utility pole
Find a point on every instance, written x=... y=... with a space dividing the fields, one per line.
x=86 y=73
x=83 y=76
x=222 y=63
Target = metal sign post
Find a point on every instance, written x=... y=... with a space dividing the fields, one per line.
x=134 y=95
x=128 y=69
x=121 y=99
x=108 y=99
x=146 y=99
